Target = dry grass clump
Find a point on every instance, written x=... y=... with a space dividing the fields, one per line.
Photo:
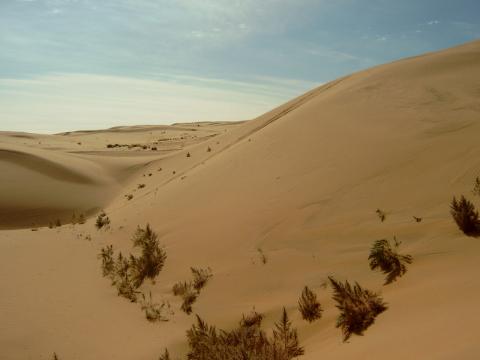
x=385 y=257
x=102 y=220
x=165 y=356
x=358 y=307
x=247 y=341
x=381 y=215
x=200 y=277
x=476 y=187
x=263 y=256
x=464 y=213
x=154 y=311
x=309 y=306
x=189 y=291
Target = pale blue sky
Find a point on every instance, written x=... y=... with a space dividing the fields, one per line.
x=71 y=64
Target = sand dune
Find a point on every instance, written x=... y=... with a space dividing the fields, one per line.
x=301 y=182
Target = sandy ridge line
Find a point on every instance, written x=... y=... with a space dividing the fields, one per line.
x=301 y=101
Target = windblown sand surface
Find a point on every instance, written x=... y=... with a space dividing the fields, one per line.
x=301 y=182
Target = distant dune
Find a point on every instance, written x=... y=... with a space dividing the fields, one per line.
x=299 y=185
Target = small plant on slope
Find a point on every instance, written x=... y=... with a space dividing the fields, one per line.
x=381 y=215
x=247 y=341
x=102 y=220
x=358 y=307
x=165 y=356
x=386 y=258
x=153 y=257
x=200 y=277
x=309 y=306
x=464 y=213
x=189 y=291
x=476 y=187
x=154 y=311
x=108 y=264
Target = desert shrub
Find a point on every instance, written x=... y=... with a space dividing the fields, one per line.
x=153 y=257
x=123 y=279
x=141 y=186
x=476 y=187
x=108 y=264
x=247 y=341
x=200 y=277
x=58 y=223
x=263 y=256
x=381 y=215
x=385 y=257
x=102 y=220
x=309 y=306
x=358 y=307
x=209 y=149
x=154 y=311
x=189 y=291
x=129 y=196
x=165 y=356
x=188 y=154
x=128 y=273
x=55 y=356
x=189 y=298
x=417 y=219
x=464 y=213
x=181 y=288
x=81 y=219
x=188 y=294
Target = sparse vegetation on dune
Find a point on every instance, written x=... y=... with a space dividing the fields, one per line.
x=464 y=213
x=309 y=306
x=128 y=273
x=102 y=221
x=189 y=291
x=381 y=215
x=358 y=307
x=247 y=341
x=385 y=257
x=155 y=311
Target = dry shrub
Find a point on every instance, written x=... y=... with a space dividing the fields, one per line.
x=102 y=220
x=247 y=341
x=464 y=213
x=189 y=291
x=309 y=306
x=385 y=257
x=200 y=277
x=155 y=311
x=358 y=307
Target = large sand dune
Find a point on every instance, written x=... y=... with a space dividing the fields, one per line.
x=301 y=182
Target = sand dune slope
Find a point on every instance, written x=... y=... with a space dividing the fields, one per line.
x=302 y=184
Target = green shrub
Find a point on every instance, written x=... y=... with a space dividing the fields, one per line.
x=386 y=258
x=309 y=306
x=358 y=307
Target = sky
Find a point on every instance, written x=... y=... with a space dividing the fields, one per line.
x=90 y=64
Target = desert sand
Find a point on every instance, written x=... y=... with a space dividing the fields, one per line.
x=301 y=182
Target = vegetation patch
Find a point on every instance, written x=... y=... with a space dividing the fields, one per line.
x=385 y=257
x=358 y=307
